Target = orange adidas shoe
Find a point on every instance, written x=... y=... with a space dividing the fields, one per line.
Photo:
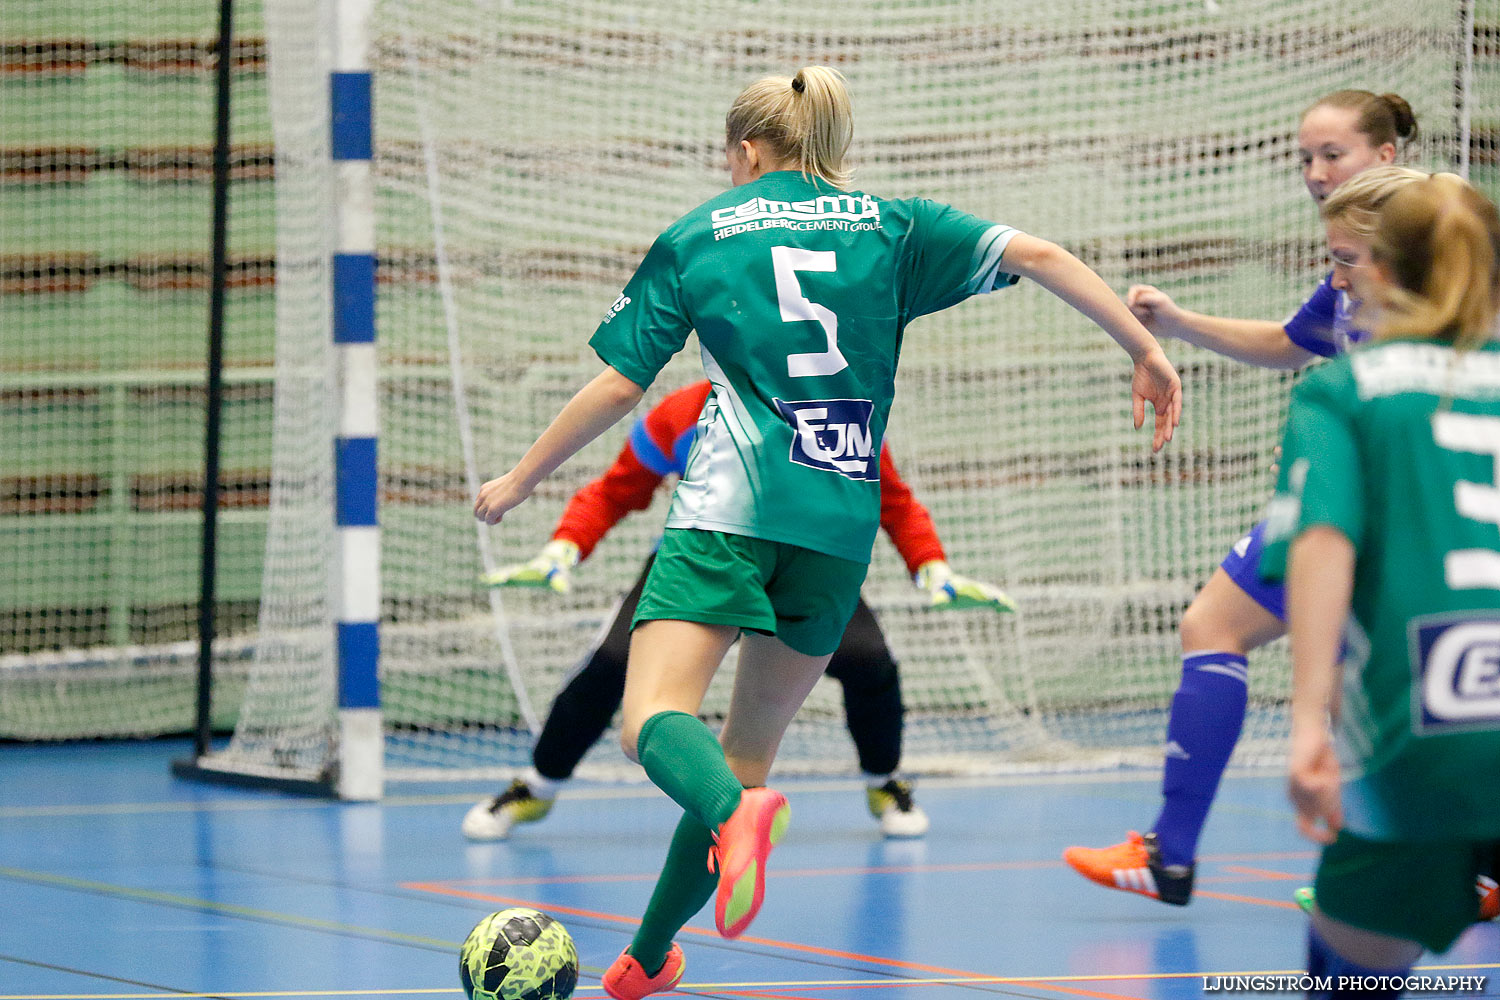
x=1489 y=897
x=1134 y=866
x=739 y=854
x=627 y=980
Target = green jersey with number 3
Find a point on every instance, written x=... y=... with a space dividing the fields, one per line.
x=1398 y=447
x=800 y=293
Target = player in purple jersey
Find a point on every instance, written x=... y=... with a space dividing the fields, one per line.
x=1341 y=135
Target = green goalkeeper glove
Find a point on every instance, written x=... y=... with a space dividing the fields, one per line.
x=949 y=590
x=552 y=567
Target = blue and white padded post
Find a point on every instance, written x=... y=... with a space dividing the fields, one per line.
x=361 y=741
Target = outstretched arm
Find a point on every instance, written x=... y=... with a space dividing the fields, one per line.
x=1253 y=341
x=1319 y=580
x=1071 y=280
x=597 y=407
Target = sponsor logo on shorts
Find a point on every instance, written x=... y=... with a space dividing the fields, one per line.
x=833 y=435
x=1457 y=665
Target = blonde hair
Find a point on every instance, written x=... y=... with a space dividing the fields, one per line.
x=1355 y=204
x=1380 y=118
x=805 y=119
x=1439 y=239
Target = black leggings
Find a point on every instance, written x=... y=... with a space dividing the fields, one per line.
x=862 y=664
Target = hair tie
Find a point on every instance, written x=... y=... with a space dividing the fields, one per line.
x=798 y=84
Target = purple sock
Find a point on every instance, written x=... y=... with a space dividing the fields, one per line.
x=1208 y=711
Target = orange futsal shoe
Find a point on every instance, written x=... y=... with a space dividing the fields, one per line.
x=1134 y=866
x=739 y=854
x=626 y=980
x=1489 y=897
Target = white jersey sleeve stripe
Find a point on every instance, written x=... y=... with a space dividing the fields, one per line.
x=987 y=275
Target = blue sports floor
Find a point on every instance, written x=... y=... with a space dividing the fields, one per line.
x=120 y=881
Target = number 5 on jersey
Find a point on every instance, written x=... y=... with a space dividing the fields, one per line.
x=796 y=308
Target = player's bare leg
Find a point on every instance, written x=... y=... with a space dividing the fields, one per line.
x=671 y=666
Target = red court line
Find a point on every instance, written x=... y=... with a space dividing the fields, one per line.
x=1262 y=856
x=781 y=873
x=444 y=890
x=1266 y=873
x=616 y=918
x=1247 y=899
x=993 y=866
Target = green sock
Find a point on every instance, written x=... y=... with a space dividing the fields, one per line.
x=683 y=887
x=684 y=760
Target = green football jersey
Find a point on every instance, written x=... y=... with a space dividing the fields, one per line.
x=1397 y=446
x=799 y=293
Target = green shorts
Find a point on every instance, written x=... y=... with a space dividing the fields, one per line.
x=1417 y=890
x=802 y=597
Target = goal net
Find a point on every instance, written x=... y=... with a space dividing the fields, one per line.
x=527 y=153
x=106 y=139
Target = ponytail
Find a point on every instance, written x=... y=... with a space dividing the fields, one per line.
x=1355 y=204
x=805 y=119
x=1440 y=241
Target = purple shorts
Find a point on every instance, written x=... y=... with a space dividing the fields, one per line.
x=1242 y=563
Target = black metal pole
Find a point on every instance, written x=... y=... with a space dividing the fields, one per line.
x=215 y=404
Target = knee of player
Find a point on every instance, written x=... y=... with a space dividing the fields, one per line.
x=629 y=735
x=1202 y=628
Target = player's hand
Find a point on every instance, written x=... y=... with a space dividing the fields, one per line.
x=949 y=590
x=1156 y=382
x=1313 y=784
x=1155 y=309
x=552 y=567
x=499 y=497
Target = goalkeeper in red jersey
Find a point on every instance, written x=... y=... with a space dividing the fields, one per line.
x=658 y=446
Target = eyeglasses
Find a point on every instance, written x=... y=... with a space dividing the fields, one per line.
x=1345 y=259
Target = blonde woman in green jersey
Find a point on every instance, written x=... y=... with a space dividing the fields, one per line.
x=800 y=290
x=1387 y=520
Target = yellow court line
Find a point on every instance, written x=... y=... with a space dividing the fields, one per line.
x=753 y=985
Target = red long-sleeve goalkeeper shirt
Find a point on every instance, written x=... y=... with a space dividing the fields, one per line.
x=659 y=444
